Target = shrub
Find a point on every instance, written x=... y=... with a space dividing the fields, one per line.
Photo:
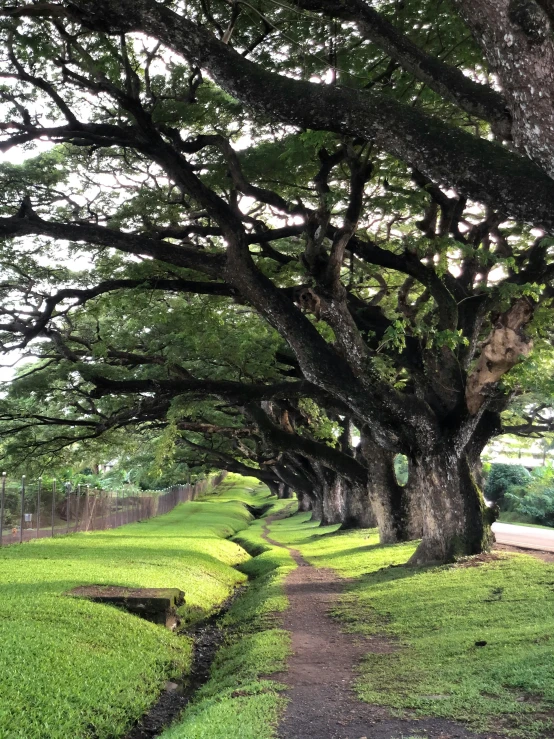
x=502 y=477
x=536 y=499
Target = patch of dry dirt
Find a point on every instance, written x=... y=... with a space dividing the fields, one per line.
x=537 y=553
x=478 y=559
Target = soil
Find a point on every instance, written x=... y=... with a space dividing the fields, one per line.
x=207 y=637
x=321 y=671
x=477 y=560
x=537 y=553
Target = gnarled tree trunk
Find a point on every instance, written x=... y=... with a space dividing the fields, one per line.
x=304 y=502
x=455 y=517
x=273 y=487
x=334 y=492
x=285 y=492
x=358 y=510
x=317 y=506
x=394 y=506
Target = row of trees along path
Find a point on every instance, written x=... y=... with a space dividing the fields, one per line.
x=253 y=236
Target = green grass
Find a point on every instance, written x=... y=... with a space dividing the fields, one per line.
x=434 y=616
x=71 y=668
x=239 y=700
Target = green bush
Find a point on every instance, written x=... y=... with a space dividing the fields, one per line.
x=401 y=469
x=503 y=477
x=9 y=518
x=536 y=499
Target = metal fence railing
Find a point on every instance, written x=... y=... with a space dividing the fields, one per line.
x=34 y=510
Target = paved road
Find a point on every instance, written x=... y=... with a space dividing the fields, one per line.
x=524 y=536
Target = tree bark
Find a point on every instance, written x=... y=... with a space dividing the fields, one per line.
x=334 y=498
x=285 y=492
x=304 y=503
x=516 y=37
x=317 y=506
x=359 y=513
x=455 y=520
x=273 y=487
x=391 y=503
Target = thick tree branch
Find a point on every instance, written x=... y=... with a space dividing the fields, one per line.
x=177 y=254
x=316 y=451
x=481 y=169
x=449 y=82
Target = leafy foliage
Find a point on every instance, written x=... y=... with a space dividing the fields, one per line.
x=502 y=477
x=534 y=500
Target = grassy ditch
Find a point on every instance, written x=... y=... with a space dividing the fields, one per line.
x=435 y=617
x=239 y=700
x=71 y=668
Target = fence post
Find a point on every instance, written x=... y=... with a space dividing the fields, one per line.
x=22 y=520
x=39 y=490
x=68 y=505
x=87 y=508
x=77 y=504
x=2 y=505
x=53 y=504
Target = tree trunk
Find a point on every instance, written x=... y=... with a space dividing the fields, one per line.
x=334 y=500
x=359 y=512
x=304 y=503
x=317 y=506
x=516 y=37
x=273 y=487
x=285 y=492
x=391 y=503
x=455 y=520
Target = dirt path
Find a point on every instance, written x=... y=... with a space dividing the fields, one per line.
x=320 y=672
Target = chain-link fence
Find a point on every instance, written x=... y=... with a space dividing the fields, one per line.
x=32 y=510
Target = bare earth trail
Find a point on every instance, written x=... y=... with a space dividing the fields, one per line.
x=321 y=670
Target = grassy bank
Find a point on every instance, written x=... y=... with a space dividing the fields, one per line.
x=239 y=700
x=70 y=668
x=434 y=619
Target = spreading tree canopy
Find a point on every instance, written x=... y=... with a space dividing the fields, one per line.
x=372 y=181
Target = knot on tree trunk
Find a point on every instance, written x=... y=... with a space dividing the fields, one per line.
x=503 y=349
x=530 y=18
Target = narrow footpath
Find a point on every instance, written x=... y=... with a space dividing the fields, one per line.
x=321 y=670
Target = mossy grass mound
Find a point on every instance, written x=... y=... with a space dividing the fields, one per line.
x=73 y=668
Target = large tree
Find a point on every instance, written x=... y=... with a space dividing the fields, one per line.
x=326 y=164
